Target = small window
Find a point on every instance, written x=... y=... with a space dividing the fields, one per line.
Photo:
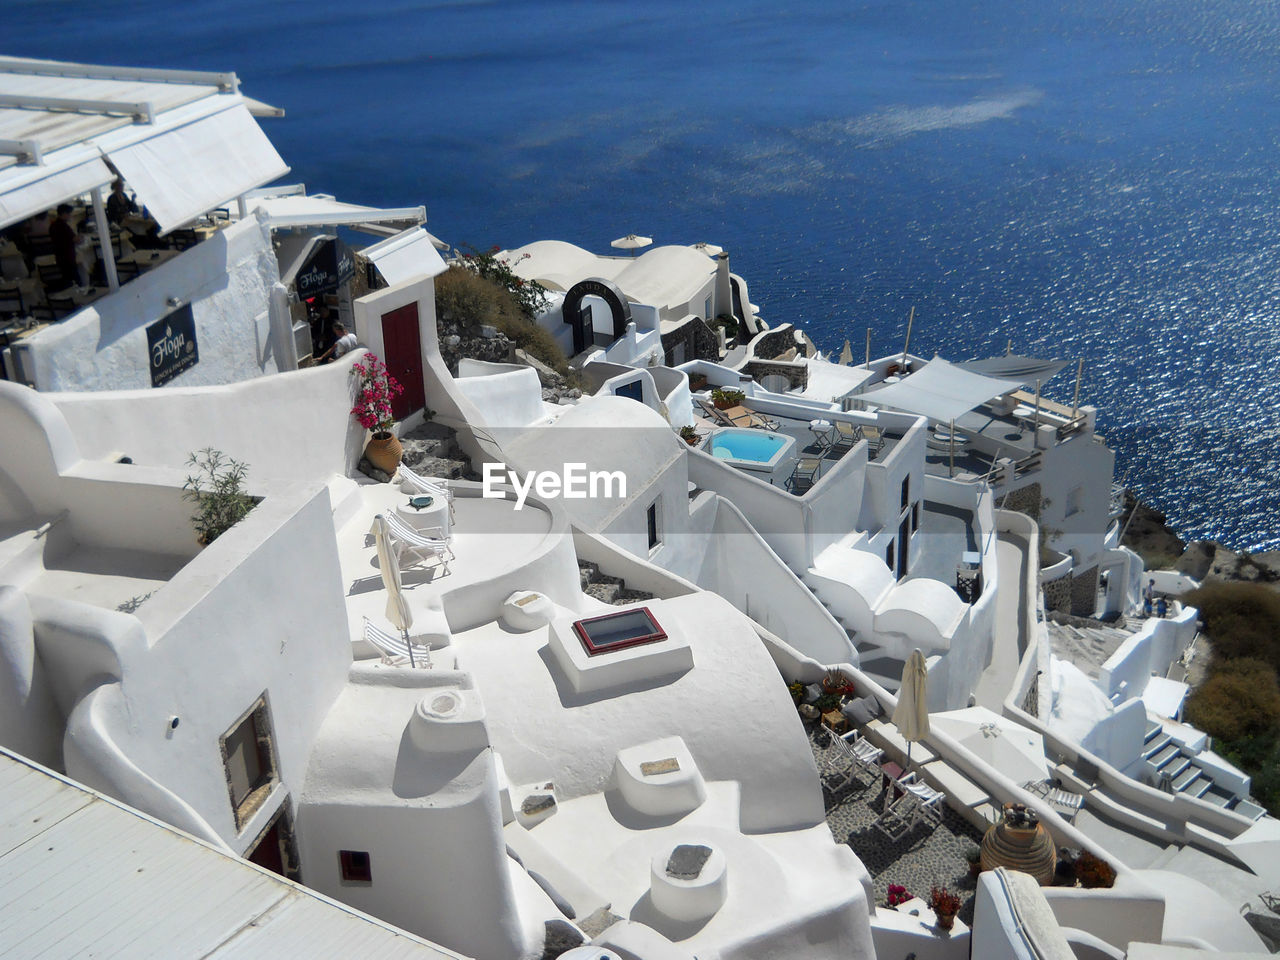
x=915 y=516
x=356 y=867
x=889 y=554
x=248 y=757
x=906 y=493
x=617 y=631
x=707 y=312
x=651 y=519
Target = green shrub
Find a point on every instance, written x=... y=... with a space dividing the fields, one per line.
x=724 y=398
x=1241 y=619
x=217 y=490
x=1236 y=703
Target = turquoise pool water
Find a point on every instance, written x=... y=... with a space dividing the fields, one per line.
x=752 y=445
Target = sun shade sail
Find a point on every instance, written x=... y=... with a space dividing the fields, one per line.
x=941 y=391
x=20 y=200
x=195 y=168
x=1015 y=367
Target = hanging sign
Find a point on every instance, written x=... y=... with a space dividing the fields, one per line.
x=171 y=346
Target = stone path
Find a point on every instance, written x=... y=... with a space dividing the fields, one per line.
x=925 y=857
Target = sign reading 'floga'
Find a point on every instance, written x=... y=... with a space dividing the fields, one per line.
x=171 y=346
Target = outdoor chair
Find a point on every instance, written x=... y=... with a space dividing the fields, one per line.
x=738 y=416
x=418 y=545
x=846 y=436
x=394 y=650
x=919 y=803
x=805 y=474
x=414 y=484
x=848 y=756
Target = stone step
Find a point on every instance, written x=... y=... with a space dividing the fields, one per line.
x=1166 y=754
x=1183 y=780
x=586 y=572
x=1175 y=767
x=1156 y=745
x=1200 y=787
x=1153 y=729
x=1217 y=796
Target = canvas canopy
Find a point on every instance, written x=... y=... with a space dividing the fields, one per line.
x=1013 y=366
x=23 y=197
x=941 y=391
x=199 y=166
x=408 y=255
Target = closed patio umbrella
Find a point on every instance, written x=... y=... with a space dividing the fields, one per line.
x=911 y=716
x=398 y=611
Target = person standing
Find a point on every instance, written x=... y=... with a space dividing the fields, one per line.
x=343 y=343
x=63 y=237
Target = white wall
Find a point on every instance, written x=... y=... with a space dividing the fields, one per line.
x=295 y=424
x=506 y=394
x=1150 y=651
x=227 y=280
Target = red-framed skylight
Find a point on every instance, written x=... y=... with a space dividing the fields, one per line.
x=618 y=631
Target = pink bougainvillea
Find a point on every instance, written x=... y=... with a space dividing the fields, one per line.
x=375 y=389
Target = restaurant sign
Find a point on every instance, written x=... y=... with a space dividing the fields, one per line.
x=171 y=346
x=329 y=266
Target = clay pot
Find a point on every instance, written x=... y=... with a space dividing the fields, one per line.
x=1020 y=842
x=384 y=451
x=945 y=920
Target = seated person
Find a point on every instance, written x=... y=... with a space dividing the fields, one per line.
x=343 y=343
x=119 y=204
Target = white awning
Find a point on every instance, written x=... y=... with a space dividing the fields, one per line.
x=941 y=391
x=321 y=210
x=195 y=168
x=1014 y=366
x=409 y=255
x=20 y=200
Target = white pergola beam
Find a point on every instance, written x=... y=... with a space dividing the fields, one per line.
x=27 y=151
x=143 y=110
x=226 y=81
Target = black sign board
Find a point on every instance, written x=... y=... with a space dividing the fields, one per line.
x=171 y=346
x=329 y=266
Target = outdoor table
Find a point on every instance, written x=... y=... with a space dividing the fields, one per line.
x=435 y=514
x=892 y=774
x=823 y=431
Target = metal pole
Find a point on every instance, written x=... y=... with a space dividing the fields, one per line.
x=868 y=348
x=952 y=437
x=1075 y=404
x=241 y=208
x=907 y=343
x=409 y=646
x=104 y=240
x=1037 y=420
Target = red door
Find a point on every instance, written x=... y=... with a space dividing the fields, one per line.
x=403 y=348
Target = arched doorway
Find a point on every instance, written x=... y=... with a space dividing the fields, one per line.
x=575 y=314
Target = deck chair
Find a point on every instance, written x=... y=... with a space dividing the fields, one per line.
x=928 y=801
x=874 y=438
x=415 y=484
x=395 y=651
x=805 y=474
x=419 y=546
x=847 y=757
x=846 y=436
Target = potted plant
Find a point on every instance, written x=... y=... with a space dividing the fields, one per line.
x=836 y=682
x=372 y=410
x=697 y=381
x=945 y=905
x=1094 y=872
x=724 y=399
x=897 y=895
x=689 y=435
x=827 y=702
x=796 y=689
x=973 y=856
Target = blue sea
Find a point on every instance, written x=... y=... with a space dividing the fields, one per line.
x=1096 y=179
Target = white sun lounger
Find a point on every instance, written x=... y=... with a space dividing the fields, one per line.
x=394 y=650
x=847 y=757
x=415 y=544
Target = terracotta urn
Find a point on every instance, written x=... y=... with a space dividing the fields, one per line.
x=384 y=451
x=1020 y=842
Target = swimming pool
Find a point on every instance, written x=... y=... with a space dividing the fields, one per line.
x=754 y=445
x=755 y=451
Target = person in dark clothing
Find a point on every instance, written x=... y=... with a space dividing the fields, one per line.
x=119 y=204
x=63 y=237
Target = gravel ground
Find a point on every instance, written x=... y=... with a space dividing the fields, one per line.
x=925 y=857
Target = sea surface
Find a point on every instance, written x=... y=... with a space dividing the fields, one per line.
x=1093 y=180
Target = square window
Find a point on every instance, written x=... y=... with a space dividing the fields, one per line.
x=356 y=866
x=248 y=758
